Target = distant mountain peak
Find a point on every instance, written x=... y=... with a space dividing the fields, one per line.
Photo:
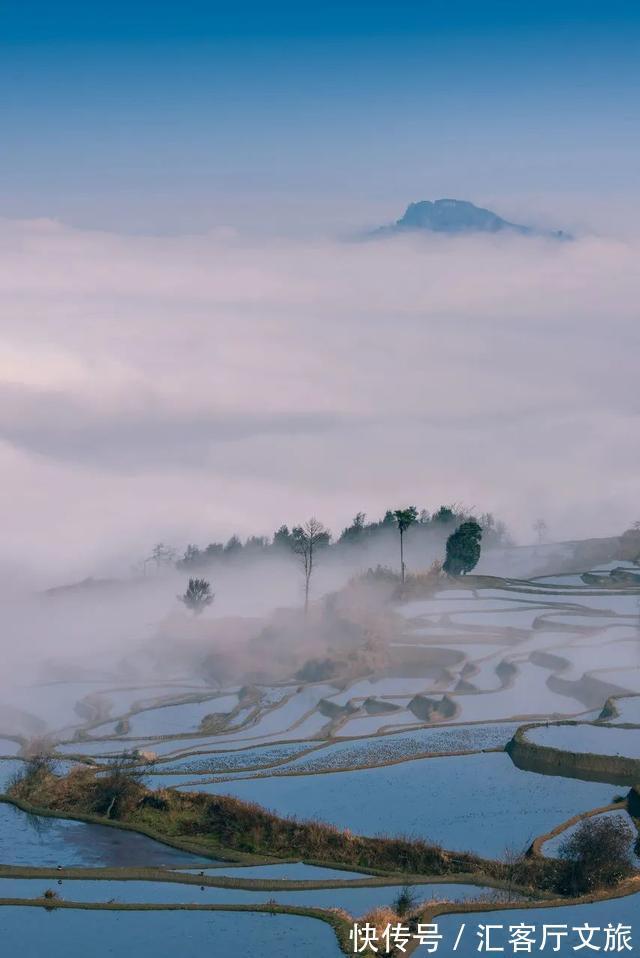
x=456 y=217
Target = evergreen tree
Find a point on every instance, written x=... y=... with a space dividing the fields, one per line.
x=282 y=538
x=198 y=596
x=233 y=546
x=353 y=533
x=463 y=548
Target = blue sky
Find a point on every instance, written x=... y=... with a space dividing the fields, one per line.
x=143 y=20
x=178 y=116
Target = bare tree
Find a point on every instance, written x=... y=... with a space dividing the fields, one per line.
x=161 y=555
x=541 y=530
x=515 y=864
x=119 y=789
x=307 y=539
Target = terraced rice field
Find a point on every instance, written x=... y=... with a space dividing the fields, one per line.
x=357 y=901
x=416 y=749
x=617 y=911
x=184 y=933
x=588 y=738
x=35 y=841
x=509 y=807
x=628 y=709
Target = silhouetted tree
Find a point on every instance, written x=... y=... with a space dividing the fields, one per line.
x=161 y=555
x=540 y=529
x=463 y=548
x=215 y=550
x=198 y=596
x=445 y=515
x=307 y=539
x=233 y=547
x=353 y=533
x=282 y=538
x=192 y=558
x=404 y=518
x=256 y=545
x=494 y=532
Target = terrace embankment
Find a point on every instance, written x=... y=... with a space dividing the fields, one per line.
x=222 y=826
x=589 y=689
x=548 y=760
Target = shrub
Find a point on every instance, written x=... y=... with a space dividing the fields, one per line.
x=50 y=897
x=317 y=670
x=381 y=573
x=423 y=582
x=33 y=775
x=155 y=801
x=119 y=789
x=598 y=854
x=405 y=902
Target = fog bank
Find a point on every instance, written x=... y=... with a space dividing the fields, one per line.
x=186 y=388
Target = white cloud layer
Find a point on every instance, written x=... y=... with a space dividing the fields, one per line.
x=184 y=388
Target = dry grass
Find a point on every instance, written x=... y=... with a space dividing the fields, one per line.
x=216 y=821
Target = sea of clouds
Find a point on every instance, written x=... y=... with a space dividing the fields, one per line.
x=187 y=387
